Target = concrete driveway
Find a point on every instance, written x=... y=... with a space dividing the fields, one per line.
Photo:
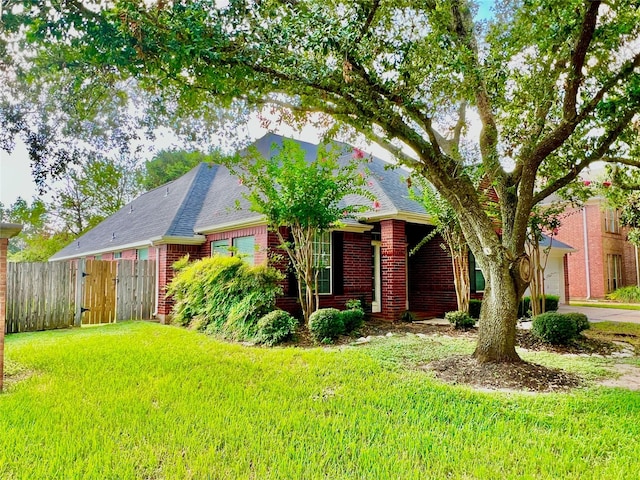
x=595 y=314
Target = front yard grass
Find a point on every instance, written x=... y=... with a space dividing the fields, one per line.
x=140 y=400
x=613 y=305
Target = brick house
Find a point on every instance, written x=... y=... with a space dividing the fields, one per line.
x=605 y=259
x=366 y=259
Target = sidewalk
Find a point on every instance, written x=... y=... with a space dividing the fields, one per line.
x=595 y=314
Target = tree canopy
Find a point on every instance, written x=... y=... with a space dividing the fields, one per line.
x=555 y=86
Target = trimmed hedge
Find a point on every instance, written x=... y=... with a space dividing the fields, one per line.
x=274 y=327
x=550 y=305
x=554 y=328
x=460 y=320
x=352 y=319
x=326 y=324
x=580 y=319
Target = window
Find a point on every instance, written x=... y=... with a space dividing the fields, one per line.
x=245 y=247
x=322 y=261
x=143 y=254
x=117 y=255
x=98 y=257
x=220 y=247
x=611 y=220
x=476 y=276
x=614 y=272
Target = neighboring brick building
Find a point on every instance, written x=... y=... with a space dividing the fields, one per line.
x=605 y=259
x=366 y=259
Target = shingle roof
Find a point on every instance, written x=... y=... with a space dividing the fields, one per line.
x=206 y=197
x=169 y=210
x=546 y=241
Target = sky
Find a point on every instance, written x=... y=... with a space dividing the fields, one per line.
x=15 y=172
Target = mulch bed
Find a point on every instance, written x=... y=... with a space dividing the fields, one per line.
x=502 y=376
x=520 y=376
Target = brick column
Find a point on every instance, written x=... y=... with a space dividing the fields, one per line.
x=167 y=256
x=7 y=230
x=394 y=268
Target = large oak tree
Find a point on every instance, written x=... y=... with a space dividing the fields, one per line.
x=555 y=85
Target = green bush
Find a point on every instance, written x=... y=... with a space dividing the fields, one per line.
x=460 y=320
x=326 y=324
x=223 y=295
x=580 y=319
x=554 y=328
x=352 y=319
x=474 y=308
x=626 y=294
x=274 y=327
x=550 y=305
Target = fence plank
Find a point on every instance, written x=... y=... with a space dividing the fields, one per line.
x=38 y=296
x=44 y=296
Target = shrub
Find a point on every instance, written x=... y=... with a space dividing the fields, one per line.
x=354 y=304
x=550 y=305
x=626 y=294
x=224 y=295
x=407 y=316
x=460 y=320
x=474 y=308
x=326 y=324
x=580 y=319
x=554 y=328
x=274 y=327
x=352 y=319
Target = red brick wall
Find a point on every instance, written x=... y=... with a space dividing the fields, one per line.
x=600 y=244
x=356 y=278
x=431 y=287
x=168 y=255
x=629 y=260
x=260 y=233
x=394 y=268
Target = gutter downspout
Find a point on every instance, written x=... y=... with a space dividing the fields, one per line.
x=586 y=251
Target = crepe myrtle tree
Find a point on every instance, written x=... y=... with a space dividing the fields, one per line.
x=304 y=198
x=555 y=86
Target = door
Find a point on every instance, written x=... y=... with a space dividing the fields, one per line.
x=376 y=283
x=99 y=299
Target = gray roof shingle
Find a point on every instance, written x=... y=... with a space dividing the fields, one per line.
x=206 y=198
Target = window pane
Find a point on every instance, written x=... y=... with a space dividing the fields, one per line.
x=245 y=247
x=117 y=255
x=479 y=280
x=143 y=254
x=220 y=247
x=322 y=261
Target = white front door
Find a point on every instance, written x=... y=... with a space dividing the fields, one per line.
x=376 y=283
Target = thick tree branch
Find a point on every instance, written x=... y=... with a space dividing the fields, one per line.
x=599 y=153
x=575 y=77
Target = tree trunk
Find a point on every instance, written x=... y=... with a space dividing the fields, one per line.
x=499 y=313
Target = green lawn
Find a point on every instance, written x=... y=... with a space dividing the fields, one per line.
x=614 y=305
x=140 y=400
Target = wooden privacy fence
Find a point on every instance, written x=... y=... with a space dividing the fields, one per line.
x=40 y=296
x=45 y=296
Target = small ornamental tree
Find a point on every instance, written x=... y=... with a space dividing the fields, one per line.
x=304 y=197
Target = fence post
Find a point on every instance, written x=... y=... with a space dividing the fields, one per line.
x=79 y=291
x=7 y=230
